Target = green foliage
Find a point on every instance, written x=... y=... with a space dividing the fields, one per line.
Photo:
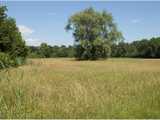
x=19 y=61
x=93 y=32
x=88 y=50
x=11 y=42
x=47 y=51
x=5 y=61
x=143 y=49
x=3 y=15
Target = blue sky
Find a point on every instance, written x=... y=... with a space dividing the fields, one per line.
x=45 y=21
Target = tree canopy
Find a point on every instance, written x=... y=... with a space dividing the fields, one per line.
x=94 y=32
x=11 y=41
x=145 y=48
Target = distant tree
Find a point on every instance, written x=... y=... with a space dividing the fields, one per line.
x=155 y=46
x=33 y=52
x=55 y=51
x=143 y=49
x=93 y=32
x=70 y=51
x=62 y=52
x=45 y=50
x=121 y=50
x=158 y=52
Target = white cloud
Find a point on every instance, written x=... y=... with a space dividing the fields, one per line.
x=135 y=21
x=25 y=30
x=26 y=34
x=33 y=41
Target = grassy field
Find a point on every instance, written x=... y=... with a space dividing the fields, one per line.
x=64 y=88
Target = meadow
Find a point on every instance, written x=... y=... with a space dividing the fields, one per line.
x=65 y=88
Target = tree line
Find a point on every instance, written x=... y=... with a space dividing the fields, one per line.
x=145 y=48
x=48 y=51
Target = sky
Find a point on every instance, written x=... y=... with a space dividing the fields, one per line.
x=44 y=21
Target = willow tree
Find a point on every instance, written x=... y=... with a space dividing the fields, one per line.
x=94 y=32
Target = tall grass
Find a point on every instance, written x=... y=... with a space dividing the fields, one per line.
x=64 y=88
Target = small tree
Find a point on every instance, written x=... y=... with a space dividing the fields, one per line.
x=93 y=32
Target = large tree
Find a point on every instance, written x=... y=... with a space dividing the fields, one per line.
x=13 y=50
x=93 y=32
x=11 y=41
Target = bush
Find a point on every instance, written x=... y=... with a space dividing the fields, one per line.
x=5 y=61
x=19 y=61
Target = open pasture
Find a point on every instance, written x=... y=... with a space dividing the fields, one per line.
x=65 y=88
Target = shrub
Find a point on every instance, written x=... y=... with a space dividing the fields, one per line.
x=19 y=61
x=5 y=61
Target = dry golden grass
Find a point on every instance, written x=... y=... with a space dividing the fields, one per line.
x=65 y=88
